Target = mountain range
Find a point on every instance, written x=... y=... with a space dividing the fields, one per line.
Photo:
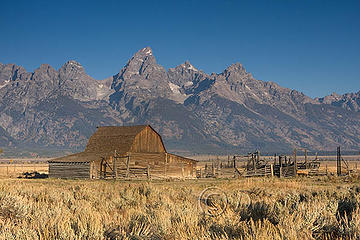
x=195 y=112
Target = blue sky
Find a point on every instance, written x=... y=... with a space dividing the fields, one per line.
x=311 y=46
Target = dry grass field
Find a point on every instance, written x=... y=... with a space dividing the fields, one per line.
x=15 y=170
x=297 y=208
x=12 y=168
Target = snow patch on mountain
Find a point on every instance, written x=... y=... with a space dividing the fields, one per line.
x=191 y=67
x=188 y=84
x=5 y=83
x=177 y=96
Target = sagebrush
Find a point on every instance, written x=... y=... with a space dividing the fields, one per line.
x=299 y=208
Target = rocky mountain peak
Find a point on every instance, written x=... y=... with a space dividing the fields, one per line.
x=140 y=61
x=45 y=67
x=186 y=75
x=140 y=67
x=71 y=70
x=141 y=77
x=230 y=110
x=236 y=73
x=147 y=51
x=185 y=67
x=9 y=72
x=188 y=66
x=44 y=72
x=333 y=97
x=350 y=101
x=141 y=56
x=236 y=67
x=72 y=65
x=74 y=81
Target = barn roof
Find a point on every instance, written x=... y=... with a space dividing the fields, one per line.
x=104 y=142
x=78 y=157
x=108 y=139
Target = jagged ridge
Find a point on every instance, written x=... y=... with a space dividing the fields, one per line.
x=194 y=111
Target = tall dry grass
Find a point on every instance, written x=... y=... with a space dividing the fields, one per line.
x=301 y=208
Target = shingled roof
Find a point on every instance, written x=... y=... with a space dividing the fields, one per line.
x=104 y=142
x=77 y=157
x=108 y=139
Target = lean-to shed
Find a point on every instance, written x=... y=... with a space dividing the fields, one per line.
x=123 y=152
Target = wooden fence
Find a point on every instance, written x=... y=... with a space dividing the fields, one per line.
x=261 y=172
x=9 y=170
x=144 y=165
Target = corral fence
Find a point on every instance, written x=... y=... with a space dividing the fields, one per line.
x=17 y=169
x=141 y=165
x=254 y=165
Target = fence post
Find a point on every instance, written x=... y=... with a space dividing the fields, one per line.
x=104 y=170
x=295 y=163
x=182 y=169
x=166 y=158
x=338 y=161
x=148 y=171
x=272 y=169
x=326 y=169
x=127 y=166
x=115 y=168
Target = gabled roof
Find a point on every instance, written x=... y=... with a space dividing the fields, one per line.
x=119 y=130
x=104 y=142
x=108 y=139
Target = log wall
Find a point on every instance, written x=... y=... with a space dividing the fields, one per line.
x=131 y=165
x=145 y=165
x=69 y=170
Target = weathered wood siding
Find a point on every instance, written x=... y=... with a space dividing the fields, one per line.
x=69 y=170
x=187 y=166
x=95 y=169
x=131 y=165
x=152 y=165
x=148 y=141
x=115 y=152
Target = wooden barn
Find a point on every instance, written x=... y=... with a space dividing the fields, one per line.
x=123 y=152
